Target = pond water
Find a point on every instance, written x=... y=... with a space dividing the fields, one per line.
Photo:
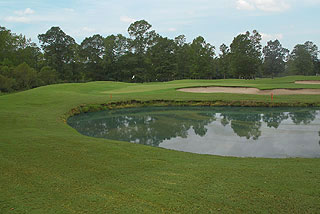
x=226 y=131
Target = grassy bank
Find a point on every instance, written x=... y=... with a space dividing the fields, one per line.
x=47 y=167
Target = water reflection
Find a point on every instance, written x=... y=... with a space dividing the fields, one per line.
x=244 y=124
x=143 y=125
x=273 y=119
x=303 y=117
x=176 y=127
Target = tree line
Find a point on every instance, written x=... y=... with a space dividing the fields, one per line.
x=145 y=56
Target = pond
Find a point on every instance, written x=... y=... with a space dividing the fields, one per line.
x=227 y=131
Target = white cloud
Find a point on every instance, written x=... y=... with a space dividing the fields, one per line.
x=272 y=5
x=263 y=5
x=244 y=5
x=312 y=1
x=21 y=16
x=27 y=11
x=28 y=16
x=21 y=19
x=69 y=10
x=172 y=29
x=88 y=29
x=127 y=19
x=267 y=37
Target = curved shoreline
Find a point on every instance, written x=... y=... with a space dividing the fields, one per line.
x=137 y=103
x=243 y=90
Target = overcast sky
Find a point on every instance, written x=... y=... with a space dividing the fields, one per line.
x=218 y=21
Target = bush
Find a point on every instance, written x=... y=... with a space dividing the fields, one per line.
x=48 y=75
x=25 y=76
x=6 y=84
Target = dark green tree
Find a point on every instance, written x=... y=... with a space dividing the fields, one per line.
x=48 y=75
x=163 y=60
x=116 y=48
x=28 y=52
x=17 y=49
x=245 y=53
x=7 y=44
x=183 y=58
x=300 y=61
x=6 y=83
x=202 y=55
x=92 y=51
x=274 y=58
x=141 y=39
x=224 y=62
x=60 y=52
x=25 y=77
x=313 y=50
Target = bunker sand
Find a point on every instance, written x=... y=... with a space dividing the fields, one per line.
x=308 y=82
x=242 y=90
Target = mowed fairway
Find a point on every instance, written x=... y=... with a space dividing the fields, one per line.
x=47 y=167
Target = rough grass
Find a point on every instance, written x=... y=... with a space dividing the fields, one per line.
x=47 y=167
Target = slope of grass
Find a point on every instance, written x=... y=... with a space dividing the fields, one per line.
x=47 y=167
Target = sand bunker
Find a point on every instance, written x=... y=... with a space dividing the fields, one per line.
x=242 y=90
x=308 y=82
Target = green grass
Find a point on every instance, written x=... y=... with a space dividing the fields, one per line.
x=47 y=167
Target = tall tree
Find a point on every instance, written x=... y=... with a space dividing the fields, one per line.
x=224 y=62
x=109 y=60
x=202 y=54
x=314 y=51
x=59 y=51
x=163 y=60
x=141 y=39
x=141 y=36
x=246 y=55
x=301 y=61
x=7 y=44
x=123 y=59
x=92 y=51
x=17 y=50
x=116 y=47
x=274 y=58
x=183 y=58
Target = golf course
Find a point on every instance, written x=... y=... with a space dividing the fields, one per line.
x=48 y=167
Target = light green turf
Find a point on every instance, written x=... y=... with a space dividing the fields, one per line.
x=47 y=167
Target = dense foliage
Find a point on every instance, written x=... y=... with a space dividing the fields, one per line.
x=145 y=56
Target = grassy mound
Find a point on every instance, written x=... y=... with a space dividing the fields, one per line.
x=47 y=167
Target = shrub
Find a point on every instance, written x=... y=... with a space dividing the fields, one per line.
x=6 y=84
x=48 y=75
x=25 y=76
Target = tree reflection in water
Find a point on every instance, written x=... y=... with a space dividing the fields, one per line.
x=153 y=125
x=303 y=117
x=243 y=124
x=273 y=119
x=146 y=126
